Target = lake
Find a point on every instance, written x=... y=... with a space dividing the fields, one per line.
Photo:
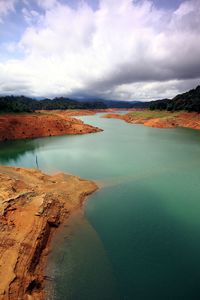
x=138 y=237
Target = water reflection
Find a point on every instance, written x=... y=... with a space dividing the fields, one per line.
x=12 y=151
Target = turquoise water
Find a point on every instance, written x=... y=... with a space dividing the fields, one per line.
x=139 y=235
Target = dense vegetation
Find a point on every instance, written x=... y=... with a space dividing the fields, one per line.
x=25 y=104
x=15 y=104
x=189 y=101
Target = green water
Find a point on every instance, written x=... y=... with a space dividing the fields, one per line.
x=139 y=235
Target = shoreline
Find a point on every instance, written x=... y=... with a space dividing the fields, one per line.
x=33 y=205
x=166 y=120
x=43 y=124
x=64 y=122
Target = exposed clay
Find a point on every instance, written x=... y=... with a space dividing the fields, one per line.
x=19 y=126
x=180 y=119
x=32 y=206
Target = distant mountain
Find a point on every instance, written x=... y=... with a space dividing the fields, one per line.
x=119 y=104
x=25 y=104
x=110 y=103
x=189 y=101
x=141 y=104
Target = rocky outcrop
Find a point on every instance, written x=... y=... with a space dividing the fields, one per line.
x=32 y=206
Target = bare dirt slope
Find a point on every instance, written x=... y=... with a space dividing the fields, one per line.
x=19 y=126
x=32 y=205
x=160 y=119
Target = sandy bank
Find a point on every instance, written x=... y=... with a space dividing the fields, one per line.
x=32 y=205
x=19 y=126
x=166 y=120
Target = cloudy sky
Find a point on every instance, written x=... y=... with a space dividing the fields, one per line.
x=114 y=49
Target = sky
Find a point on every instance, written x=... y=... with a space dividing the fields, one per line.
x=111 y=49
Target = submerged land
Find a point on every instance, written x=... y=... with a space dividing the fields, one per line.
x=32 y=206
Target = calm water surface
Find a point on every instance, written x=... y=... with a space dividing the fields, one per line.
x=139 y=236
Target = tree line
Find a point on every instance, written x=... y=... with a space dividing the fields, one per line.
x=189 y=101
x=25 y=104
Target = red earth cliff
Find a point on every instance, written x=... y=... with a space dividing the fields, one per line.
x=32 y=206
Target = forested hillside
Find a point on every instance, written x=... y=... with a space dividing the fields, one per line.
x=25 y=104
x=189 y=101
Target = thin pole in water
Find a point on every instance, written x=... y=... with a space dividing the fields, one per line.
x=36 y=160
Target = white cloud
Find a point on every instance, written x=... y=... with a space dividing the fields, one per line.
x=125 y=50
x=6 y=6
x=47 y=4
x=184 y=9
x=31 y=16
x=152 y=90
